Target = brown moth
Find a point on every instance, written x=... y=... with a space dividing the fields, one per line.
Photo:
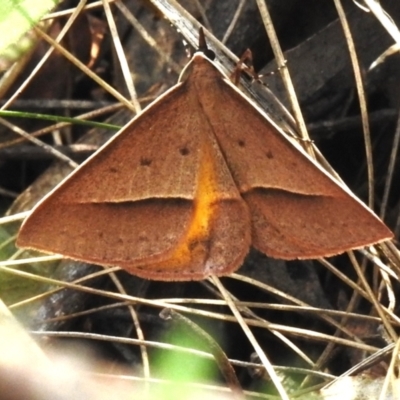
x=186 y=187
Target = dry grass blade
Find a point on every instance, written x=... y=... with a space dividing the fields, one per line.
x=281 y=62
x=362 y=100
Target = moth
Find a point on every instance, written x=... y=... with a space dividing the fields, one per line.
x=186 y=187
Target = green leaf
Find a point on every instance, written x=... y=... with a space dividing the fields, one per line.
x=17 y=17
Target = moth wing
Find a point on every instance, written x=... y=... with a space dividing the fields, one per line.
x=133 y=203
x=297 y=210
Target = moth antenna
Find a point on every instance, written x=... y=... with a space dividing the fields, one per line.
x=203 y=45
x=246 y=64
